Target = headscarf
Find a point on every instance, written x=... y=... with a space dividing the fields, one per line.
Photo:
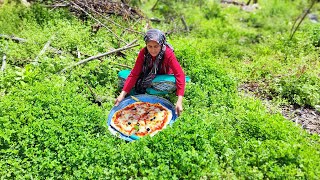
x=147 y=75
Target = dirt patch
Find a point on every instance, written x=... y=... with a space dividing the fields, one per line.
x=308 y=118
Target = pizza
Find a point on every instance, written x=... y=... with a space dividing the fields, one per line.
x=141 y=119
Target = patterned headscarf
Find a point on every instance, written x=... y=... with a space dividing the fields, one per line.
x=147 y=75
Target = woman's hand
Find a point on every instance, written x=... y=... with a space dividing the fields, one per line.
x=120 y=98
x=179 y=108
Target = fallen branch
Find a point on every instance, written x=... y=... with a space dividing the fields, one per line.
x=92 y=93
x=78 y=53
x=155 y=20
x=4 y=62
x=16 y=39
x=57 y=5
x=98 y=56
x=131 y=43
x=233 y=2
x=43 y=49
x=154 y=6
x=98 y=99
x=295 y=28
x=185 y=24
x=122 y=65
x=98 y=22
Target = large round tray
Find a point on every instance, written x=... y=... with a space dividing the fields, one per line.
x=143 y=98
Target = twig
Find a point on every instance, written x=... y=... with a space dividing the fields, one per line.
x=122 y=65
x=98 y=99
x=98 y=22
x=43 y=49
x=233 y=2
x=16 y=39
x=155 y=20
x=154 y=6
x=92 y=93
x=78 y=53
x=57 y=5
x=4 y=62
x=185 y=24
x=130 y=43
x=98 y=56
x=302 y=18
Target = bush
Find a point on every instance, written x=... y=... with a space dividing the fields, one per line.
x=302 y=90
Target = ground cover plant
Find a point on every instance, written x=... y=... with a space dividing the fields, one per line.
x=52 y=126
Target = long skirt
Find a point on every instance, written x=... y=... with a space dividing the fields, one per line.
x=161 y=84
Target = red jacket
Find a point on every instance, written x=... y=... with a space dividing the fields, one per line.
x=170 y=65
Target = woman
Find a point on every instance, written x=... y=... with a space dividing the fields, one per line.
x=156 y=58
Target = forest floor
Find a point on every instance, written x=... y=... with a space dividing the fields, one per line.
x=307 y=118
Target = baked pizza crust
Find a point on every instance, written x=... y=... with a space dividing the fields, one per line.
x=141 y=118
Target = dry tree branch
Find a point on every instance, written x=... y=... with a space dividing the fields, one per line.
x=78 y=52
x=16 y=39
x=45 y=47
x=233 y=2
x=131 y=43
x=303 y=16
x=185 y=24
x=154 y=6
x=92 y=93
x=99 y=22
x=98 y=56
x=122 y=65
x=57 y=5
x=4 y=62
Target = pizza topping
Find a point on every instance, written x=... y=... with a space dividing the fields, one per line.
x=136 y=117
x=136 y=127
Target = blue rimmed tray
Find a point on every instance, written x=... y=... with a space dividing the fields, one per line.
x=144 y=98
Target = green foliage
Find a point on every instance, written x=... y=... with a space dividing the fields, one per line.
x=51 y=129
x=314 y=33
x=213 y=11
x=302 y=90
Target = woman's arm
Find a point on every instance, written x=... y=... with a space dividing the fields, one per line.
x=178 y=73
x=132 y=78
x=120 y=98
x=180 y=80
x=179 y=108
x=135 y=72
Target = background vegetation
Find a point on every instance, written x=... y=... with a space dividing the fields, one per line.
x=50 y=127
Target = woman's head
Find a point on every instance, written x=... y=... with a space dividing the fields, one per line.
x=154 y=39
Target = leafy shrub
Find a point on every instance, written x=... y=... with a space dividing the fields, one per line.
x=302 y=90
x=314 y=33
x=213 y=10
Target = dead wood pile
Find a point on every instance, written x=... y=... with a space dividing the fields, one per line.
x=100 y=7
